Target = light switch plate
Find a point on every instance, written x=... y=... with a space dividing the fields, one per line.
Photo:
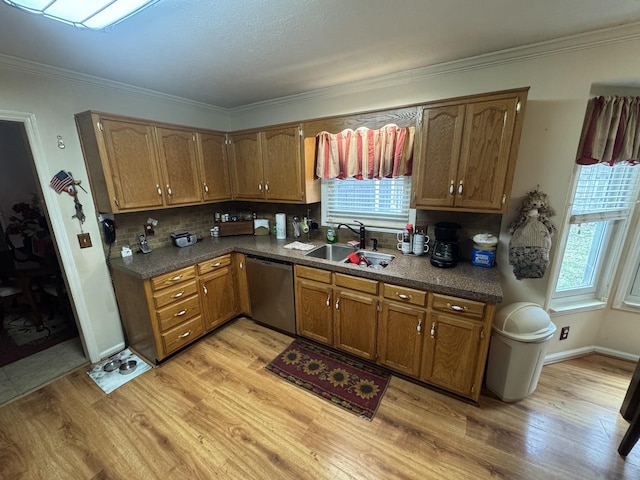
x=84 y=239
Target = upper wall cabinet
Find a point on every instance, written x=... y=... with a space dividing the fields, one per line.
x=214 y=166
x=467 y=152
x=272 y=165
x=134 y=165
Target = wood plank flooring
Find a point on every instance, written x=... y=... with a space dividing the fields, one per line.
x=214 y=412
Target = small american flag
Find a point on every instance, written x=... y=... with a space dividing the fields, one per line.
x=61 y=181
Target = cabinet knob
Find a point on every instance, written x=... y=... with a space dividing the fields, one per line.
x=451 y=187
x=159 y=190
x=206 y=188
x=169 y=190
x=460 y=188
x=260 y=186
x=266 y=187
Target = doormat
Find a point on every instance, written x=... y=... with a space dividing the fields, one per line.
x=108 y=381
x=20 y=337
x=345 y=382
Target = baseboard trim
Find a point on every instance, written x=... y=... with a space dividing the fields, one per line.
x=581 y=352
x=113 y=350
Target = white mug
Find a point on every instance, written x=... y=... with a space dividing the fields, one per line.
x=420 y=244
x=404 y=247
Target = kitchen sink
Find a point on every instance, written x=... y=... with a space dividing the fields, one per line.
x=334 y=252
x=376 y=260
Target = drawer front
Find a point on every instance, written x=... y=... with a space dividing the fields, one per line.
x=405 y=294
x=355 y=283
x=214 y=264
x=310 y=273
x=461 y=306
x=174 y=294
x=178 y=312
x=182 y=334
x=173 y=278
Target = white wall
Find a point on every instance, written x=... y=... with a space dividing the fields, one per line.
x=560 y=87
x=49 y=100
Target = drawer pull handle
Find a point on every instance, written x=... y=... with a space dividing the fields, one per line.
x=206 y=188
x=433 y=330
x=169 y=190
x=419 y=327
x=205 y=289
x=456 y=308
x=338 y=304
x=329 y=300
x=460 y=188
x=185 y=334
x=159 y=190
x=402 y=296
x=217 y=264
x=178 y=295
x=180 y=313
x=451 y=187
x=176 y=278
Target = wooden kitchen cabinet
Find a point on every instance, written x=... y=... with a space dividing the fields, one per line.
x=214 y=167
x=401 y=329
x=239 y=261
x=468 y=149
x=217 y=291
x=455 y=344
x=314 y=304
x=178 y=155
x=270 y=165
x=136 y=165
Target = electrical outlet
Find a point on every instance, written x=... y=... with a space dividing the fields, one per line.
x=564 y=333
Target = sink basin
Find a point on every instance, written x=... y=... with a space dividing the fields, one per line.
x=334 y=252
x=376 y=260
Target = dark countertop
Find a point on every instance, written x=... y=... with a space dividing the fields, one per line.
x=464 y=280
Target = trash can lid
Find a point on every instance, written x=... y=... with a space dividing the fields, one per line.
x=524 y=321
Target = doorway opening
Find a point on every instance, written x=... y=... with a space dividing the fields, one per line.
x=39 y=336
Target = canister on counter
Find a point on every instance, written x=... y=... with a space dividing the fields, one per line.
x=483 y=253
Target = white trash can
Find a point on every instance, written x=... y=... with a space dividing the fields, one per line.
x=519 y=342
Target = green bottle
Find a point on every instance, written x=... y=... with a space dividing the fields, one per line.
x=331 y=235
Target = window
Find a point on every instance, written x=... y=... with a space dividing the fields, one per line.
x=380 y=203
x=602 y=204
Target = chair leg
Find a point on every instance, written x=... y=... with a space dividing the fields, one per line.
x=631 y=436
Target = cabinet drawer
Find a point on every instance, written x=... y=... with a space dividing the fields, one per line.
x=316 y=274
x=182 y=334
x=462 y=306
x=172 y=278
x=355 y=283
x=178 y=312
x=174 y=294
x=214 y=264
x=404 y=294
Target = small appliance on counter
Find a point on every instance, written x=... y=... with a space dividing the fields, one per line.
x=445 y=249
x=182 y=238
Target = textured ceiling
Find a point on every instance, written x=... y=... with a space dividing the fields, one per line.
x=230 y=53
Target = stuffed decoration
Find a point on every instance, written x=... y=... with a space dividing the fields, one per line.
x=535 y=203
x=531 y=242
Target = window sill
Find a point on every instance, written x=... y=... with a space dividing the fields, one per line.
x=576 y=306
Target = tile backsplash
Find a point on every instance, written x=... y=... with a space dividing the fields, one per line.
x=199 y=220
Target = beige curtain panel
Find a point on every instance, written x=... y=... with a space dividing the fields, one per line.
x=611 y=131
x=365 y=153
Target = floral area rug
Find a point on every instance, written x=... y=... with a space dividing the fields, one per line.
x=345 y=382
x=20 y=337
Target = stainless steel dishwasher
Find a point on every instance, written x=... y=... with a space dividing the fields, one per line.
x=271 y=293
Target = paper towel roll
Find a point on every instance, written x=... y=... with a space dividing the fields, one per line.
x=281 y=226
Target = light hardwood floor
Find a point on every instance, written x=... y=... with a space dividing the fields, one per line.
x=214 y=412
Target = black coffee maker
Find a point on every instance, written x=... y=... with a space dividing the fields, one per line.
x=445 y=249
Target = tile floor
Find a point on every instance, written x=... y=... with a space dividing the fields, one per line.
x=29 y=374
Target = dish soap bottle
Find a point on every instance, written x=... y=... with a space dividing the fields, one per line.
x=331 y=235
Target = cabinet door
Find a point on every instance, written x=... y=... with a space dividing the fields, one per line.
x=314 y=311
x=436 y=174
x=246 y=166
x=178 y=160
x=400 y=333
x=242 y=287
x=132 y=164
x=218 y=296
x=485 y=155
x=214 y=167
x=282 y=164
x=355 y=320
x=451 y=352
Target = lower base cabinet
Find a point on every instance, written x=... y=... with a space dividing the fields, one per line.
x=438 y=339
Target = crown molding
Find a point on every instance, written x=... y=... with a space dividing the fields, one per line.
x=56 y=73
x=559 y=46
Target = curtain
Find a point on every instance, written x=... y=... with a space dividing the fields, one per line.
x=611 y=131
x=365 y=153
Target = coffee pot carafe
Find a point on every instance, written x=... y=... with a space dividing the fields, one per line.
x=445 y=249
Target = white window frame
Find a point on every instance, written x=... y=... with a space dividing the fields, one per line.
x=372 y=224
x=608 y=262
x=628 y=278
